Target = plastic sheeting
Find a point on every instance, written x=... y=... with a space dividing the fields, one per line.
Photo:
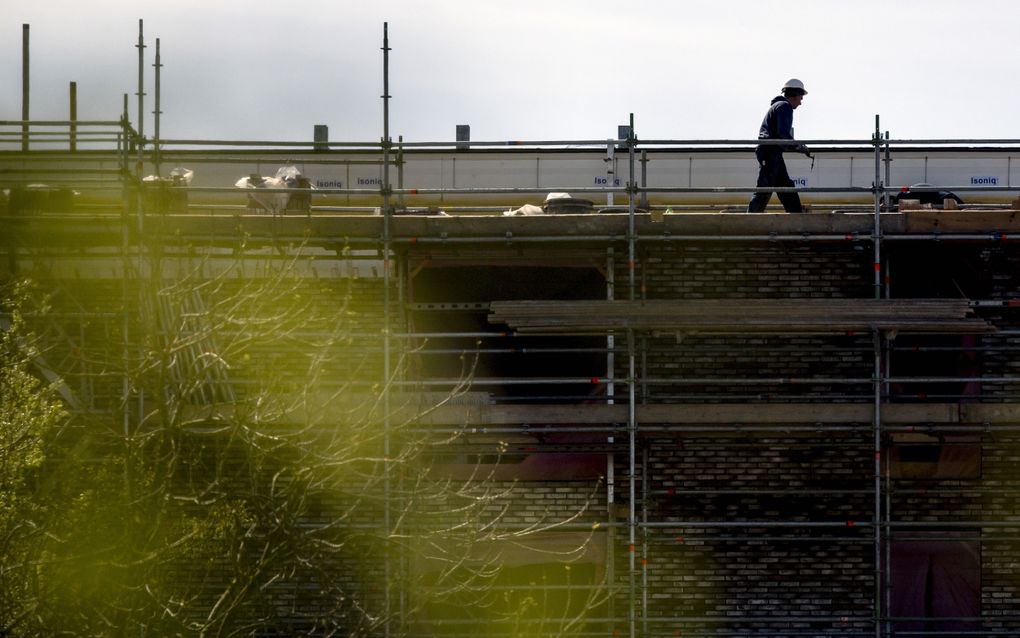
x=177 y=177
x=554 y=203
x=934 y=580
x=276 y=203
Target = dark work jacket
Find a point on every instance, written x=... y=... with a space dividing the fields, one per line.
x=777 y=125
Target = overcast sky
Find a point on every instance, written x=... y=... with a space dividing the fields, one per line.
x=525 y=69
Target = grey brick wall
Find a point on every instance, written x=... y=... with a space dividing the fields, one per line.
x=766 y=534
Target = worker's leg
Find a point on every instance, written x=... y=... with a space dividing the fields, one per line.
x=790 y=201
x=760 y=200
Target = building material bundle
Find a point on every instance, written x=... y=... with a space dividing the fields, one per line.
x=741 y=316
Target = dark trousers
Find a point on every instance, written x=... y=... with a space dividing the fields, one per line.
x=771 y=174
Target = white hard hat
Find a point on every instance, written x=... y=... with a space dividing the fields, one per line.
x=795 y=85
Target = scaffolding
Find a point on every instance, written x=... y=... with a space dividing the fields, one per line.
x=629 y=410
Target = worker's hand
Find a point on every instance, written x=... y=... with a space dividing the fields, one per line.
x=802 y=148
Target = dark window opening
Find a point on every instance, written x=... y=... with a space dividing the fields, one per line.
x=504 y=356
x=937 y=271
x=930 y=358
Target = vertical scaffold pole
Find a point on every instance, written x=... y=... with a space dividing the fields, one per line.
x=125 y=126
x=631 y=373
x=141 y=80
x=644 y=541
x=644 y=180
x=877 y=189
x=156 y=112
x=125 y=159
x=632 y=484
x=887 y=354
x=877 y=385
x=386 y=132
x=400 y=171
x=885 y=546
x=610 y=160
x=139 y=163
x=611 y=455
x=878 y=526
x=73 y=128
x=631 y=193
x=610 y=337
x=139 y=195
x=24 y=87
x=387 y=566
x=887 y=541
x=888 y=171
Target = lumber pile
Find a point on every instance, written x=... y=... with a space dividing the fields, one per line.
x=741 y=316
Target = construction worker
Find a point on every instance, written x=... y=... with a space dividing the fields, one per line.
x=778 y=125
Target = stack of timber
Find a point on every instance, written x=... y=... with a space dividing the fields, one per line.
x=741 y=316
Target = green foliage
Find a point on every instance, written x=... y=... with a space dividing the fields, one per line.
x=247 y=483
x=28 y=413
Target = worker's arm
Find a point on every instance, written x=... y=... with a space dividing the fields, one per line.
x=784 y=128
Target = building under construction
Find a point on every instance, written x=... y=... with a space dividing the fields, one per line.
x=517 y=388
x=722 y=423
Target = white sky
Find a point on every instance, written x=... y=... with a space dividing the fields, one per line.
x=525 y=69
